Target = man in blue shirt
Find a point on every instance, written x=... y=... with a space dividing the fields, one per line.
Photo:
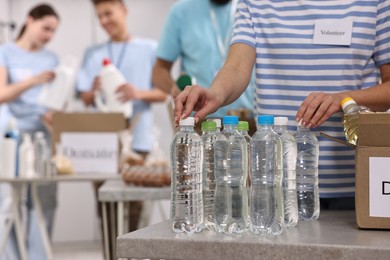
x=198 y=32
x=135 y=58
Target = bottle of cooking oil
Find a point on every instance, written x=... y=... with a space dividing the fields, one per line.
x=350 y=121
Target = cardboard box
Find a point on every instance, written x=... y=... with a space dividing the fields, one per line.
x=372 y=164
x=90 y=140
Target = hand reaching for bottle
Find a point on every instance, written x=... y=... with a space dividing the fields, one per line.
x=195 y=98
x=318 y=107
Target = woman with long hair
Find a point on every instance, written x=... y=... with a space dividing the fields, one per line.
x=26 y=65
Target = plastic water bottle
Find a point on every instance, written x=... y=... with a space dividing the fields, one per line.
x=266 y=196
x=9 y=151
x=231 y=196
x=307 y=174
x=350 y=121
x=42 y=154
x=26 y=157
x=187 y=161
x=210 y=135
x=289 y=171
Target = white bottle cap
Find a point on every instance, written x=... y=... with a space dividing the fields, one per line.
x=189 y=121
x=280 y=120
x=216 y=120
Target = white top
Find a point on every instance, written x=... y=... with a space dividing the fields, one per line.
x=189 y=121
x=281 y=120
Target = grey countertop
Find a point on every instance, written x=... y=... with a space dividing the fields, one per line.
x=334 y=236
x=120 y=191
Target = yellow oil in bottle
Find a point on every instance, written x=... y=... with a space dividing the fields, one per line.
x=351 y=129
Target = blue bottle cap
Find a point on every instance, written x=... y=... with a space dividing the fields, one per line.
x=230 y=120
x=265 y=120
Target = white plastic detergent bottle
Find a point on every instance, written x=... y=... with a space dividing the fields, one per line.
x=111 y=78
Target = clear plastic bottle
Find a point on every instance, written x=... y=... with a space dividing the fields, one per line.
x=187 y=162
x=9 y=151
x=41 y=154
x=231 y=196
x=26 y=157
x=266 y=196
x=289 y=171
x=209 y=137
x=307 y=174
x=350 y=121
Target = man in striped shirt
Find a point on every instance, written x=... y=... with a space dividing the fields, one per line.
x=300 y=47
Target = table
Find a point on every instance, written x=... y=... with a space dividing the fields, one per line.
x=118 y=192
x=17 y=185
x=334 y=236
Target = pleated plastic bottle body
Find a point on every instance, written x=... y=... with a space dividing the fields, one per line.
x=307 y=174
x=187 y=162
x=289 y=171
x=231 y=197
x=266 y=193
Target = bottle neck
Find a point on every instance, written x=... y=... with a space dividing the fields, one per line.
x=229 y=128
x=351 y=108
x=186 y=128
x=280 y=128
x=264 y=127
x=243 y=132
x=205 y=132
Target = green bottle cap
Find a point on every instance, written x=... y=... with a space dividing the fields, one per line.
x=183 y=81
x=243 y=126
x=209 y=126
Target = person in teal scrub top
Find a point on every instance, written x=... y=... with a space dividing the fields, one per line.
x=25 y=65
x=198 y=32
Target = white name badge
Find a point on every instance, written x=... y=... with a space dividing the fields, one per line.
x=333 y=32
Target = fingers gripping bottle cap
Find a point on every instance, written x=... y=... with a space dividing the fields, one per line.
x=347 y=101
x=281 y=121
x=106 y=62
x=265 y=120
x=243 y=126
x=189 y=121
x=209 y=126
x=230 y=120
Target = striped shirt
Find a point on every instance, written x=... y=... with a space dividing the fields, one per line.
x=289 y=66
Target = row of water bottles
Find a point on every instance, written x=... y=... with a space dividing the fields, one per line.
x=230 y=182
x=25 y=157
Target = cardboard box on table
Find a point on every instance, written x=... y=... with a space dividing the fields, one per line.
x=372 y=164
x=90 y=140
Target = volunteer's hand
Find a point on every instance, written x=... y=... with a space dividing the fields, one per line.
x=195 y=98
x=88 y=97
x=47 y=120
x=318 y=107
x=43 y=78
x=127 y=92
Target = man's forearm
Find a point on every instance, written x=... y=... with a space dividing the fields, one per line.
x=162 y=79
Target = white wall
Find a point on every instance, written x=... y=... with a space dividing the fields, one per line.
x=76 y=214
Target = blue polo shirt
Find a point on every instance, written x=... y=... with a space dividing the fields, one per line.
x=135 y=61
